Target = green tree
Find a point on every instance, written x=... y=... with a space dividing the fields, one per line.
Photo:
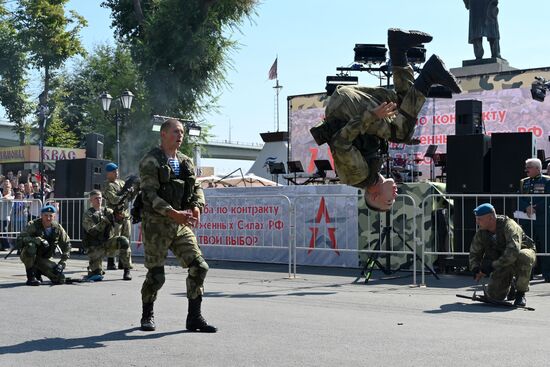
x=13 y=80
x=181 y=48
x=108 y=68
x=49 y=36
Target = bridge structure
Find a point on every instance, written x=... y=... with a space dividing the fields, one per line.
x=224 y=149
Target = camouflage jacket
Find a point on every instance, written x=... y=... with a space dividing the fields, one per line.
x=35 y=233
x=162 y=190
x=97 y=225
x=110 y=193
x=502 y=247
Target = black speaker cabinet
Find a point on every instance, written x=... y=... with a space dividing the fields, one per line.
x=94 y=146
x=509 y=152
x=468 y=117
x=468 y=164
x=74 y=177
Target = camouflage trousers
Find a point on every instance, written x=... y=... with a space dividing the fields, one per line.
x=500 y=280
x=121 y=229
x=355 y=106
x=45 y=266
x=159 y=236
x=97 y=253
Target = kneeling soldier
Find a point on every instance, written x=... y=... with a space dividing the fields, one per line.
x=38 y=243
x=99 y=239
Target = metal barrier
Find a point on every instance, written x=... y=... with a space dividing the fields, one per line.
x=15 y=215
x=453 y=222
x=70 y=214
x=325 y=223
x=249 y=225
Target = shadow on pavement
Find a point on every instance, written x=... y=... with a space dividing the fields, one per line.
x=50 y=344
x=469 y=307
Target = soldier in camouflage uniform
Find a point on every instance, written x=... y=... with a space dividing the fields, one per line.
x=100 y=238
x=172 y=203
x=359 y=120
x=536 y=183
x=38 y=243
x=119 y=204
x=502 y=250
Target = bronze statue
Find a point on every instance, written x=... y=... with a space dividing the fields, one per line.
x=483 y=23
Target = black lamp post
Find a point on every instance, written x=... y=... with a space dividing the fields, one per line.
x=42 y=112
x=125 y=100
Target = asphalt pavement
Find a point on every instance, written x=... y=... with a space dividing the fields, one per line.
x=320 y=318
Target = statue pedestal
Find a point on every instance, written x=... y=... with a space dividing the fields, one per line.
x=482 y=66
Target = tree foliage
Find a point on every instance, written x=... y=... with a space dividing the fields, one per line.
x=49 y=36
x=180 y=47
x=13 y=80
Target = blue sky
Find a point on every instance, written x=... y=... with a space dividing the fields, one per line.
x=313 y=37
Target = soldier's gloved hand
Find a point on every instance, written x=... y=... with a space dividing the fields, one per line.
x=119 y=217
x=58 y=269
x=42 y=242
x=108 y=219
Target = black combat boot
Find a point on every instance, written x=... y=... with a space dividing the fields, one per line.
x=127 y=275
x=195 y=321
x=120 y=266
x=435 y=72
x=31 y=278
x=111 y=263
x=520 y=299
x=400 y=41
x=38 y=275
x=147 y=318
x=512 y=292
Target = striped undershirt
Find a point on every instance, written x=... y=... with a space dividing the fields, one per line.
x=175 y=164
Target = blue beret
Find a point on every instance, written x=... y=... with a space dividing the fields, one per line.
x=484 y=209
x=111 y=167
x=48 y=209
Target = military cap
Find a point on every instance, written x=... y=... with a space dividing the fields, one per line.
x=48 y=209
x=483 y=209
x=111 y=167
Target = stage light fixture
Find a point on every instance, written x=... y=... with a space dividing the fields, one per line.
x=334 y=81
x=370 y=53
x=539 y=88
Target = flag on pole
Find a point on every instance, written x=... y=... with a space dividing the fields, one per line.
x=273 y=70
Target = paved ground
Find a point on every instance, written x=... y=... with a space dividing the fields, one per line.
x=265 y=319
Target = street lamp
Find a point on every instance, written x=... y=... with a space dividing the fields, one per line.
x=125 y=100
x=42 y=112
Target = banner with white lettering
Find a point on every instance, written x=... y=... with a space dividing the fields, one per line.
x=504 y=110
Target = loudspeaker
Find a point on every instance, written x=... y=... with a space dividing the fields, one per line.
x=509 y=152
x=468 y=164
x=468 y=117
x=94 y=146
x=74 y=177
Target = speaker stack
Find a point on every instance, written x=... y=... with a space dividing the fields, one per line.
x=479 y=164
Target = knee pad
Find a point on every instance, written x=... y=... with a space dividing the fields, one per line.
x=198 y=267
x=155 y=277
x=123 y=242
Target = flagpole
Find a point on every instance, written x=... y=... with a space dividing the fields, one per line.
x=277 y=88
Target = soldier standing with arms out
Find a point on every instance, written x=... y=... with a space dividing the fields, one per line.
x=172 y=203
x=38 y=243
x=100 y=238
x=500 y=249
x=119 y=204
x=536 y=183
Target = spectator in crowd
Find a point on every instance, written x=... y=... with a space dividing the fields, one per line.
x=100 y=238
x=20 y=213
x=38 y=243
x=5 y=212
